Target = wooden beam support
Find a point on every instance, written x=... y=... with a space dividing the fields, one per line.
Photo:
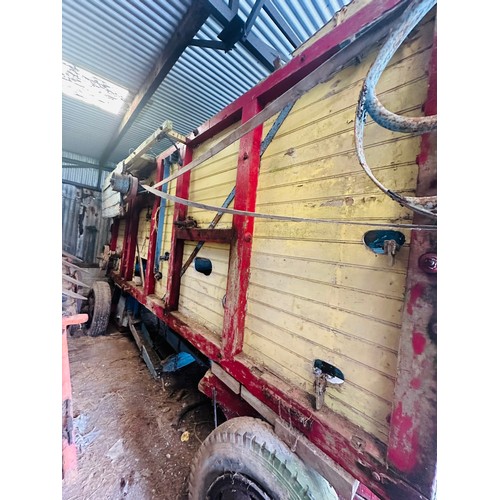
x=239 y=258
x=412 y=443
x=207 y=235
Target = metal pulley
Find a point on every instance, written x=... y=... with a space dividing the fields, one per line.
x=125 y=184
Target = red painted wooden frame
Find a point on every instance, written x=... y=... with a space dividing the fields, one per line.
x=357 y=451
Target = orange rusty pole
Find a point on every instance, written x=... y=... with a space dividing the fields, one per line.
x=69 y=460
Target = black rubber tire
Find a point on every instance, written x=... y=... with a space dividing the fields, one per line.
x=245 y=450
x=99 y=309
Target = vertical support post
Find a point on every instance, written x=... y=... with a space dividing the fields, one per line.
x=69 y=454
x=413 y=434
x=69 y=457
x=241 y=248
x=131 y=240
x=177 y=245
x=125 y=249
x=149 y=284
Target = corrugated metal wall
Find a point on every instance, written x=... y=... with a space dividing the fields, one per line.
x=84 y=231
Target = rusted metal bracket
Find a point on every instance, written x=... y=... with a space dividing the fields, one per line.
x=323 y=373
x=206 y=235
x=189 y=222
x=390 y=248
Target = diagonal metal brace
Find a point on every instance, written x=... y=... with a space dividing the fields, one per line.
x=263 y=146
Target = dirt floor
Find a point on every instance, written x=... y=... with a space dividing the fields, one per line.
x=135 y=436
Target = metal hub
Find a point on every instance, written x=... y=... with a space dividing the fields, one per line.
x=90 y=308
x=235 y=486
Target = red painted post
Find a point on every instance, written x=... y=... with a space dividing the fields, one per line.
x=241 y=248
x=149 y=286
x=126 y=245
x=412 y=447
x=69 y=455
x=177 y=245
x=131 y=240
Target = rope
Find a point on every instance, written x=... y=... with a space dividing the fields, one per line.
x=397 y=123
x=369 y=102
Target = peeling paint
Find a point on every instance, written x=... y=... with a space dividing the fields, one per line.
x=418 y=342
x=416 y=383
x=404 y=457
x=415 y=294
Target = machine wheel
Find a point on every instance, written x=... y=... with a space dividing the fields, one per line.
x=243 y=459
x=99 y=308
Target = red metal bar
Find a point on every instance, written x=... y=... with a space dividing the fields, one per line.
x=131 y=241
x=241 y=250
x=210 y=235
x=231 y=405
x=177 y=245
x=69 y=455
x=126 y=245
x=287 y=76
x=149 y=286
x=413 y=433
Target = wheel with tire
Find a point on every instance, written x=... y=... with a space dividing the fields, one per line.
x=98 y=308
x=244 y=459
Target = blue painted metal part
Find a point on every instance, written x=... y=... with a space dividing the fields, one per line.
x=161 y=216
x=177 y=361
x=374 y=240
x=275 y=127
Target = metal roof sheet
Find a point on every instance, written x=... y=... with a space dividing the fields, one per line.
x=121 y=41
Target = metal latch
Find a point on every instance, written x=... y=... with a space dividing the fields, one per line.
x=385 y=242
x=324 y=373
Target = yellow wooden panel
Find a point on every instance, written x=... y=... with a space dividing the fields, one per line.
x=347 y=322
x=420 y=41
x=315 y=290
x=201 y=308
x=121 y=234
x=381 y=281
x=302 y=334
x=201 y=296
x=166 y=238
x=143 y=233
x=120 y=239
x=341 y=251
x=214 y=179
x=370 y=413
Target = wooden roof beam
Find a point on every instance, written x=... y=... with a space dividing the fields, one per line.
x=187 y=29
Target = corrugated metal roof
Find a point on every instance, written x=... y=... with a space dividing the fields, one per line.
x=121 y=40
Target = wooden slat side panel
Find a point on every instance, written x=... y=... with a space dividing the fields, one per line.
x=120 y=239
x=200 y=295
x=213 y=180
x=161 y=285
x=143 y=233
x=316 y=290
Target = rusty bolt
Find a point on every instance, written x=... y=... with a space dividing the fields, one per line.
x=428 y=263
x=245 y=155
x=247 y=237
